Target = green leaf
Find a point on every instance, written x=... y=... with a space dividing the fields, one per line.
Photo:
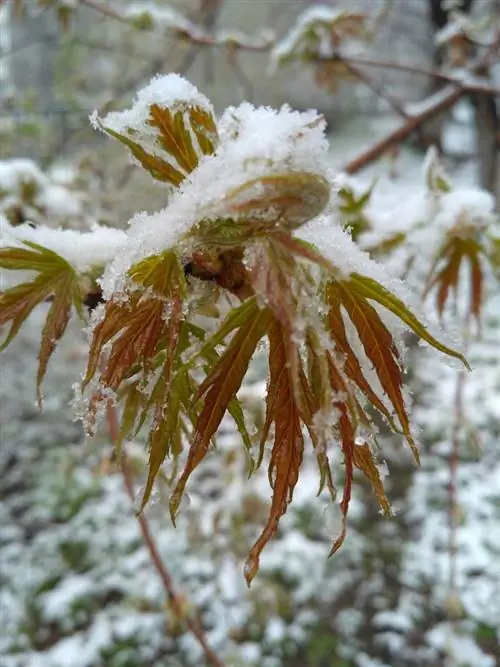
x=56 y=280
x=371 y=289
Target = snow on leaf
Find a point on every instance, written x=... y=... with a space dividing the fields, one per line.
x=168 y=130
x=165 y=430
x=354 y=296
x=373 y=290
x=318 y=32
x=436 y=178
x=56 y=280
x=379 y=347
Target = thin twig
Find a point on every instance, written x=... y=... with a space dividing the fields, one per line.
x=471 y=86
x=453 y=507
x=159 y=565
x=378 y=90
x=433 y=106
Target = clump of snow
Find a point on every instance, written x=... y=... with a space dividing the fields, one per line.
x=83 y=250
x=459 y=26
x=465 y=208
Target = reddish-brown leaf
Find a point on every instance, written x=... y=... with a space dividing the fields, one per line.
x=347 y=444
x=56 y=279
x=364 y=461
x=55 y=325
x=379 y=347
x=451 y=258
x=288 y=446
x=217 y=390
x=137 y=327
x=352 y=366
x=165 y=426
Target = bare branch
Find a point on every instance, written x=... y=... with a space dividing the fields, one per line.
x=434 y=105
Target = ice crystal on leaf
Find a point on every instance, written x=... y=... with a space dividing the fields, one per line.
x=250 y=216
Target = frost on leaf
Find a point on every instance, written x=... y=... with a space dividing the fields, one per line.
x=56 y=281
x=168 y=130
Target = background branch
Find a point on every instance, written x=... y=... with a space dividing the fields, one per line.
x=156 y=559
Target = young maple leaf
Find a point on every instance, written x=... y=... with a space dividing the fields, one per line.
x=138 y=327
x=56 y=281
x=445 y=272
x=168 y=134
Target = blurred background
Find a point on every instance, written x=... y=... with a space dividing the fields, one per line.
x=77 y=586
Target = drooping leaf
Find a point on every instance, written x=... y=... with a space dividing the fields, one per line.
x=370 y=289
x=137 y=327
x=365 y=461
x=56 y=281
x=450 y=259
x=378 y=345
x=288 y=446
x=165 y=429
x=217 y=390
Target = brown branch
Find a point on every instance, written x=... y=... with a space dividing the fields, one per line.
x=159 y=565
x=443 y=100
x=399 y=134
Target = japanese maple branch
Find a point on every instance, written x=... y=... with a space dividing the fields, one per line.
x=164 y=574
